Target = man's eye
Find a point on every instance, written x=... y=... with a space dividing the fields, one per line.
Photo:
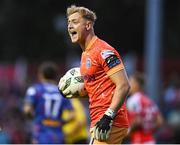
x=75 y=22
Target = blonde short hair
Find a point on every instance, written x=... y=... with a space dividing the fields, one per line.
x=85 y=12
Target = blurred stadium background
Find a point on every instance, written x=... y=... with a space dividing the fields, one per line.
x=145 y=32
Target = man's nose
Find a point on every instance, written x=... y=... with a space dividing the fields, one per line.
x=69 y=26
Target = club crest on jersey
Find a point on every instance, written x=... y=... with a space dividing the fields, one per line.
x=88 y=63
x=106 y=53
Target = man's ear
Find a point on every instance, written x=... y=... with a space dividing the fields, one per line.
x=88 y=25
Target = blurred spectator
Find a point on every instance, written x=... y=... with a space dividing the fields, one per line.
x=12 y=123
x=171 y=110
x=76 y=131
x=4 y=137
x=15 y=127
x=172 y=94
x=144 y=115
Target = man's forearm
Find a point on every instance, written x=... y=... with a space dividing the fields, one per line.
x=119 y=96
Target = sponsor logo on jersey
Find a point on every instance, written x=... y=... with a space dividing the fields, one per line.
x=112 y=61
x=89 y=78
x=106 y=53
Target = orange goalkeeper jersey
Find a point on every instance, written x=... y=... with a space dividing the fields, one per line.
x=98 y=62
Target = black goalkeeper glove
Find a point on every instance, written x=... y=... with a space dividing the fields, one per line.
x=104 y=125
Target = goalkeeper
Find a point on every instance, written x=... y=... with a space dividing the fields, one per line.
x=104 y=76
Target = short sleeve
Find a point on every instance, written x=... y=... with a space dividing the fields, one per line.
x=30 y=95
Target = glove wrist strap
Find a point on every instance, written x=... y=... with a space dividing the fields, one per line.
x=111 y=113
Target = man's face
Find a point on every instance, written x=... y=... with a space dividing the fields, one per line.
x=76 y=27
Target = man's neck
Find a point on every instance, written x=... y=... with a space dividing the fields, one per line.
x=87 y=41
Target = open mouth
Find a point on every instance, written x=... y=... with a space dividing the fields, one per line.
x=73 y=33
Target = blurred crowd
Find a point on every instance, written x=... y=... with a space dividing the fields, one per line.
x=169 y=104
x=14 y=128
